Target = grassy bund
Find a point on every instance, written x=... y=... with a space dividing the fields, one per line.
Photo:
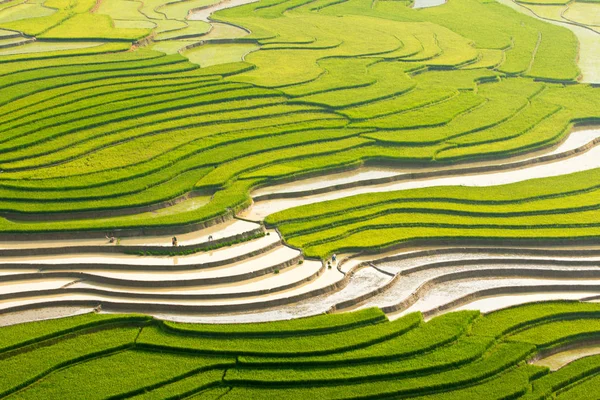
x=359 y=355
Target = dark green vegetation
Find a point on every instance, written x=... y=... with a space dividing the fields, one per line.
x=101 y=130
x=460 y=355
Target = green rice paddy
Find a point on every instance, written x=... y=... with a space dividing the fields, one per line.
x=115 y=106
x=314 y=92
x=352 y=355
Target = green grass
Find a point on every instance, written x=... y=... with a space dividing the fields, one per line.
x=424 y=82
x=503 y=356
x=462 y=352
x=316 y=86
x=553 y=333
x=511 y=384
x=500 y=105
x=505 y=321
x=192 y=29
x=93 y=27
x=580 y=391
x=571 y=373
x=583 y=12
x=22 y=147
x=149 y=370
x=552 y=65
x=23 y=11
x=30 y=366
x=197 y=382
x=15 y=336
x=208 y=55
x=424 y=338
x=454 y=356
x=302 y=326
x=380 y=87
x=497 y=137
x=49 y=47
x=510 y=211
x=120 y=9
x=327 y=343
x=433 y=115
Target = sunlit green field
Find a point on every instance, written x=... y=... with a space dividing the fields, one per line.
x=119 y=105
x=314 y=86
x=360 y=355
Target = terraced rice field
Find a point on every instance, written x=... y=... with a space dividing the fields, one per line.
x=445 y=152
x=460 y=355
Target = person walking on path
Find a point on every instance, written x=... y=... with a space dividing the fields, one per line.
x=174 y=241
